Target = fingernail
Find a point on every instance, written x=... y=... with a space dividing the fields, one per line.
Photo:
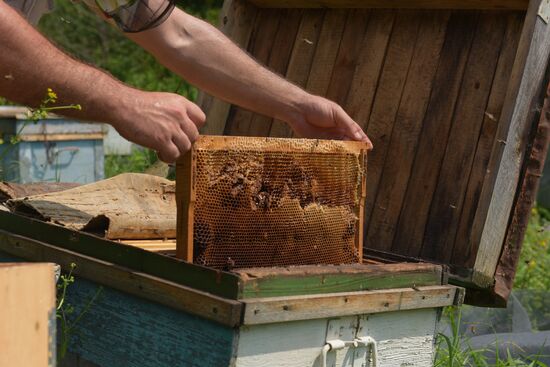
x=359 y=136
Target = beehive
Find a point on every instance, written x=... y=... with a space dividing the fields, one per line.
x=247 y=202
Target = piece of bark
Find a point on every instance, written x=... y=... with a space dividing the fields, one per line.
x=127 y=206
x=11 y=190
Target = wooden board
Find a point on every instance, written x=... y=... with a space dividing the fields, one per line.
x=283 y=309
x=522 y=105
x=236 y=21
x=411 y=4
x=274 y=282
x=27 y=320
x=404 y=338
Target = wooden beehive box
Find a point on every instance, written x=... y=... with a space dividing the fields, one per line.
x=450 y=94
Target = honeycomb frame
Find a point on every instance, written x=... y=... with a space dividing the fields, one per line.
x=285 y=192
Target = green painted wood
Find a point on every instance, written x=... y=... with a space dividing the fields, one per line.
x=199 y=277
x=355 y=278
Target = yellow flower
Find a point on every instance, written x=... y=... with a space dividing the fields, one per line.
x=51 y=94
x=532 y=264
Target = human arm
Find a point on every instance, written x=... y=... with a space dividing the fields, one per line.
x=205 y=57
x=29 y=64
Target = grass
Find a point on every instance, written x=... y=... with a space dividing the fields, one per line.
x=533 y=273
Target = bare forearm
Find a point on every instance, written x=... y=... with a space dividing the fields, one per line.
x=29 y=64
x=205 y=57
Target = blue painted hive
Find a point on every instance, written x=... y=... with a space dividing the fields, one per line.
x=54 y=149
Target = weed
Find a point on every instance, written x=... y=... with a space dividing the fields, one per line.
x=65 y=311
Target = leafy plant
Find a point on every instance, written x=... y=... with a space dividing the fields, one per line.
x=34 y=115
x=534 y=265
x=65 y=311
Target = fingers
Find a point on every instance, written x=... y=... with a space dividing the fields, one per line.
x=169 y=153
x=196 y=115
x=346 y=123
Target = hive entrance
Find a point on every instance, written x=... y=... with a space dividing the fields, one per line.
x=271 y=202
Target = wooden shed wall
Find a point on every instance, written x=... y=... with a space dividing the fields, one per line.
x=428 y=87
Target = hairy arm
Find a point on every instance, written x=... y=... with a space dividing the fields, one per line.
x=205 y=57
x=29 y=64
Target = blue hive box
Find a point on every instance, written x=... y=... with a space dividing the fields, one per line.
x=53 y=149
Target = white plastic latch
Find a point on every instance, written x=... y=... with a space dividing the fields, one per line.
x=366 y=341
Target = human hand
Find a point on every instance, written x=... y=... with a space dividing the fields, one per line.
x=321 y=118
x=165 y=122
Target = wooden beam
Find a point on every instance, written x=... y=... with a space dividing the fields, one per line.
x=205 y=279
x=284 y=309
x=27 y=317
x=185 y=201
x=302 y=280
x=221 y=310
x=391 y=4
x=522 y=107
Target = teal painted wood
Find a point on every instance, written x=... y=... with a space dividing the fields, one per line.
x=79 y=161
x=120 y=330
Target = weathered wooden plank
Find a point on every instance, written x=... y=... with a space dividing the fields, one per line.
x=260 y=125
x=369 y=64
x=433 y=138
x=185 y=203
x=404 y=139
x=236 y=21
x=261 y=45
x=468 y=235
x=410 y=4
x=221 y=310
x=323 y=60
x=201 y=278
x=532 y=172
x=12 y=190
x=119 y=329
x=153 y=245
x=326 y=52
x=468 y=116
x=27 y=320
x=404 y=339
x=347 y=58
x=387 y=98
x=299 y=280
x=523 y=103
x=300 y=60
x=284 y=309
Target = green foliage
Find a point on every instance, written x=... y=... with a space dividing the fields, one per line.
x=534 y=266
x=455 y=351
x=138 y=161
x=81 y=33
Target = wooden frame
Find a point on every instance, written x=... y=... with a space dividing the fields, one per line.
x=186 y=168
x=395 y=4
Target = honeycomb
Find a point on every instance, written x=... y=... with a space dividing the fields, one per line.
x=276 y=202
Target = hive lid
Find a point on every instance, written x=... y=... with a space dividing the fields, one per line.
x=450 y=93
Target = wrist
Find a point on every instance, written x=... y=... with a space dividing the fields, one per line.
x=295 y=111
